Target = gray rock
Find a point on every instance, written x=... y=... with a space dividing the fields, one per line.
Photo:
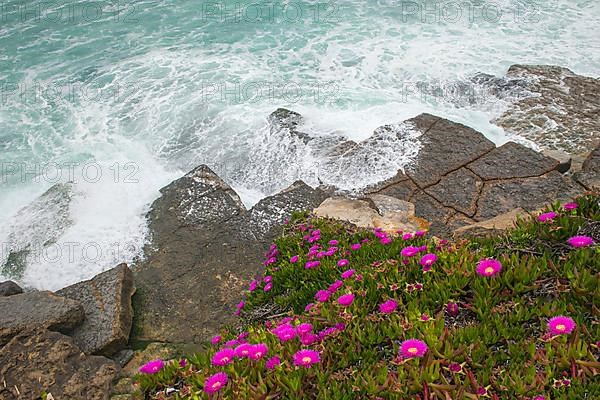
x=512 y=160
x=458 y=190
x=446 y=146
x=589 y=176
x=44 y=361
x=33 y=310
x=106 y=300
x=564 y=159
x=9 y=288
x=556 y=109
x=190 y=282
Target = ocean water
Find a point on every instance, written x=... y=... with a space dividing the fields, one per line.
x=122 y=97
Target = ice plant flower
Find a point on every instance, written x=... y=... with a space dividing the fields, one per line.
x=488 y=267
x=273 y=362
x=428 y=260
x=285 y=334
x=561 y=325
x=413 y=348
x=420 y=233
x=333 y=242
x=242 y=350
x=223 y=357
x=580 y=241
x=308 y=307
x=152 y=367
x=343 y=262
x=306 y=358
x=409 y=251
x=322 y=296
x=312 y=264
x=268 y=279
x=268 y=287
x=388 y=307
x=346 y=299
x=539 y=398
x=335 y=286
x=294 y=259
x=547 y=217
x=570 y=206
x=253 y=286
x=216 y=339
x=355 y=246
x=347 y=274
x=182 y=363
x=215 y=382
x=407 y=236
x=304 y=328
x=455 y=367
x=258 y=351
x=452 y=309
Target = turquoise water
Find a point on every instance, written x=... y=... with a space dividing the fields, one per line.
x=142 y=91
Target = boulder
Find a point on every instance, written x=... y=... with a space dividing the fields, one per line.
x=205 y=248
x=490 y=227
x=9 y=288
x=106 y=300
x=589 y=176
x=565 y=160
x=458 y=190
x=556 y=108
x=27 y=311
x=43 y=361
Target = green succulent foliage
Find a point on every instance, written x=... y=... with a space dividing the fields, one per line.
x=496 y=346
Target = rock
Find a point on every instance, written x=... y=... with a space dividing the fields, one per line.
x=381 y=211
x=400 y=187
x=106 y=300
x=512 y=160
x=200 y=261
x=490 y=227
x=35 y=227
x=44 y=361
x=564 y=159
x=123 y=357
x=589 y=176
x=556 y=109
x=458 y=190
x=9 y=288
x=446 y=146
x=499 y=197
x=33 y=310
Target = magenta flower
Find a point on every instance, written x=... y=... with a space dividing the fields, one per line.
x=304 y=328
x=347 y=274
x=452 y=309
x=285 y=334
x=241 y=305
x=216 y=339
x=539 y=398
x=388 y=307
x=409 y=251
x=428 y=260
x=268 y=279
x=268 y=287
x=580 y=241
x=420 y=233
x=231 y=343
x=308 y=339
x=322 y=296
x=407 y=236
x=561 y=325
x=343 y=262
x=355 y=246
x=152 y=367
x=258 y=351
x=413 y=348
x=547 y=217
x=570 y=206
x=273 y=362
x=335 y=286
x=312 y=264
x=182 y=363
x=333 y=242
x=223 y=357
x=306 y=358
x=242 y=350
x=308 y=307
x=215 y=382
x=294 y=259
x=488 y=267
x=253 y=286
x=455 y=367
x=346 y=299
x=385 y=241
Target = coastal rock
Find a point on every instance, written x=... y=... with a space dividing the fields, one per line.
x=565 y=160
x=106 y=300
x=490 y=227
x=589 y=176
x=27 y=311
x=9 y=288
x=557 y=109
x=458 y=190
x=196 y=268
x=44 y=361
x=446 y=146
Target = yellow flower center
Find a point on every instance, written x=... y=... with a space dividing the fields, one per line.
x=489 y=270
x=560 y=327
x=216 y=385
x=413 y=350
x=306 y=359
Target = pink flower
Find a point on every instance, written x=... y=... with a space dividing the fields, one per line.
x=216 y=339
x=428 y=260
x=346 y=299
x=348 y=274
x=242 y=350
x=455 y=367
x=268 y=279
x=343 y=262
x=215 y=382
x=308 y=339
x=539 y=397
x=223 y=357
x=231 y=343
x=306 y=358
x=388 y=307
x=488 y=267
x=182 y=363
x=308 y=307
x=413 y=348
x=322 y=296
x=580 y=241
x=258 y=351
x=294 y=259
x=407 y=236
x=452 y=309
x=333 y=242
x=273 y=362
x=547 y=217
x=355 y=246
x=425 y=317
x=253 y=286
x=385 y=241
x=312 y=264
x=285 y=333
x=561 y=325
x=304 y=328
x=241 y=305
x=409 y=251
x=420 y=233
x=268 y=287
x=335 y=286
x=570 y=206
x=152 y=367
